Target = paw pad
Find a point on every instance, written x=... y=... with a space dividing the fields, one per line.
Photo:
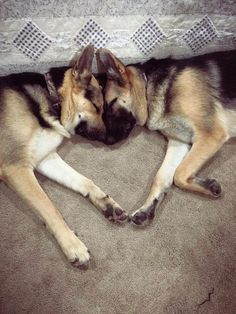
x=76 y=263
x=214 y=187
x=139 y=218
x=115 y=214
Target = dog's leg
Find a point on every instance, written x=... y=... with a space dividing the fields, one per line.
x=175 y=153
x=58 y=170
x=185 y=175
x=24 y=182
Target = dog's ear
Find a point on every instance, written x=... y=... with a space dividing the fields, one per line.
x=112 y=66
x=82 y=70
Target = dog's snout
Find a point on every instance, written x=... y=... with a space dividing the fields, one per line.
x=119 y=124
x=127 y=126
x=81 y=127
x=110 y=140
x=89 y=132
x=97 y=135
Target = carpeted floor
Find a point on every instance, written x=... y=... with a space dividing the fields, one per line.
x=184 y=262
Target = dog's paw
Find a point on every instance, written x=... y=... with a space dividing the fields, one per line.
x=140 y=218
x=115 y=213
x=110 y=209
x=211 y=186
x=76 y=252
x=214 y=187
x=144 y=215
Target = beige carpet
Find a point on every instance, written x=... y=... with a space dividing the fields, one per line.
x=184 y=262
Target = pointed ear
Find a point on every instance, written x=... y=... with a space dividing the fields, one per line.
x=82 y=70
x=112 y=66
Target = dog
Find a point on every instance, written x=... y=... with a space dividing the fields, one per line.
x=190 y=101
x=36 y=113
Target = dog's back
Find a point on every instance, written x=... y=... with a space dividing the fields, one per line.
x=194 y=88
x=220 y=67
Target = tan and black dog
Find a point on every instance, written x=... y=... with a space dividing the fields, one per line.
x=188 y=100
x=36 y=113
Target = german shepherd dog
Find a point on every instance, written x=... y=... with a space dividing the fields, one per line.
x=188 y=100
x=32 y=126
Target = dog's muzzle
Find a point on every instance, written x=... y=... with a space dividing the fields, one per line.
x=119 y=124
x=90 y=133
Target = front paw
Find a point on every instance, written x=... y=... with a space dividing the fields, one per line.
x=115 y=213
x=80 y=258
x=76 y=252
x=140 y=218
x=145 y=214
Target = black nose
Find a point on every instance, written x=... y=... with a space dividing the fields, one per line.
x=109 y=140
x=96 y=135
x=81 y=127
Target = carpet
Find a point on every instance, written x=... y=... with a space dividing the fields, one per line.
x=183 y=262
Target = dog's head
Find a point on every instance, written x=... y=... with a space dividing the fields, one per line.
x=124 y=94
x=82 y=99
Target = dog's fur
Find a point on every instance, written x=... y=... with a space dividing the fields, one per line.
x=188 y=100
x=31 y=129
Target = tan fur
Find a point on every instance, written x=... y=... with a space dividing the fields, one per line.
x=75 y=103
x=201 y=151
x=23 y=181
x=137 y=90
x=15 y=134
x=193 y=100
x=156 y=97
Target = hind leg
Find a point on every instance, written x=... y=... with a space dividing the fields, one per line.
x=201 y=151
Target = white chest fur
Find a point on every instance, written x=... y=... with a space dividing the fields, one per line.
x=43 y=143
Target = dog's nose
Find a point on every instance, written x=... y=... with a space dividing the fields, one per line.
x=109 y=140
x=81 y=127
x=101 y=136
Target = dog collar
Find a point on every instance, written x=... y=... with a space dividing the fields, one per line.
x=54 y=97
x=144 y=77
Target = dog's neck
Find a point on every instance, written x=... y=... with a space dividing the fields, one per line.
x=54 y=79
x=138 y=80
x=144 y=76
x=54 y=97
x=52 y=113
